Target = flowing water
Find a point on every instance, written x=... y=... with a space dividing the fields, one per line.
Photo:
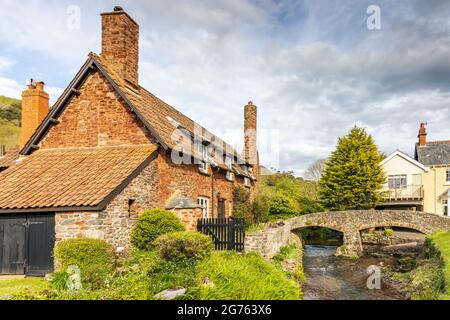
x=333 y=278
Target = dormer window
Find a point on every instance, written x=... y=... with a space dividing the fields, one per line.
x=203 y=167
x=246 y=169
x=230 y=176
x=246 y=182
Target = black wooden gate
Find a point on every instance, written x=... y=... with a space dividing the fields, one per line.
x=226 y=233
x=26 y=243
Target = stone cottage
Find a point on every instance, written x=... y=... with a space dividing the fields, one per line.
x=107 y=150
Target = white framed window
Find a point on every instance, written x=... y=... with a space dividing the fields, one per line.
x=230 y=176
x=246 y=182
x=397 y=181
x=246 y=169
x=445 y=207
x=447 y=175
x=228 y=161
x=204 y=203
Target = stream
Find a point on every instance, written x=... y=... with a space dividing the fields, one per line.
x=332 y=278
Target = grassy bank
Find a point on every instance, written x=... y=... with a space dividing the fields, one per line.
x=440 y=248
x=430 y=278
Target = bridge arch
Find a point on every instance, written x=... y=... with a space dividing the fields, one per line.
x=350 y=223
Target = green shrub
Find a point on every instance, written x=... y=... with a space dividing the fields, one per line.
x=59 y=280
x=388 y=232
x=282 y=205
x=184 y=245
x=151 y=224
x=94 y=257
x=242 y=204
x=244 y=277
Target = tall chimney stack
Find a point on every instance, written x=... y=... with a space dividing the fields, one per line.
x=250 y=152
x=34 y=109
x=422 y=134
x=120 y=44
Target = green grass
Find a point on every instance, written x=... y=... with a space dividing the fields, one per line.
x=244 y=277
x=441 y=242
x=10 y=117
x=9 y=288
x=9 y=133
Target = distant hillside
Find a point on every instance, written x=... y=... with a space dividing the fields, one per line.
x=10 y=115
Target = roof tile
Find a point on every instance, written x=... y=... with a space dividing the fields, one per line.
x=69 y=177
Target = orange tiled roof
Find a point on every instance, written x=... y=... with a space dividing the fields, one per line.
x=77 y=177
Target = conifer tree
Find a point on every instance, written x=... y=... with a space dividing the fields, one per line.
x=352 y=178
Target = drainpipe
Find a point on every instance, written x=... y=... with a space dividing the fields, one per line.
x=213 y=191
x=435 y=191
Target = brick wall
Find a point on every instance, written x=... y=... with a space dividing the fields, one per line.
x=115 y=222
x=97 y=117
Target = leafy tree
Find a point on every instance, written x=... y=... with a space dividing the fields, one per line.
x=315 y=170
x=353 y=176
x=283 y=205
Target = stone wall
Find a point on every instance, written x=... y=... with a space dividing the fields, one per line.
x=269 y=240
x=115 y=222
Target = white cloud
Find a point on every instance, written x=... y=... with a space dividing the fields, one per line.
x=10 y=88
x=311 y=67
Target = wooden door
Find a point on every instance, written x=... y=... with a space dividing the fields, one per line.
x=12 y=244
x=26 y=243
x=40 y=243
x=221 y=208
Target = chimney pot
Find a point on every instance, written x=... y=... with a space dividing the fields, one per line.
x=422 y=134
x=250 y=152
x=118 y=8
x=34 y=109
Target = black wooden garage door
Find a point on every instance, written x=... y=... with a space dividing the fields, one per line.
x=26 y=243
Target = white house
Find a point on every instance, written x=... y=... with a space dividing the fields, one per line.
x=404 y=187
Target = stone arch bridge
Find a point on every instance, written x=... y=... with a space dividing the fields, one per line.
x=350 y=223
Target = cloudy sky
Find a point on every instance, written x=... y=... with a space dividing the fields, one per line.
x=313 y=68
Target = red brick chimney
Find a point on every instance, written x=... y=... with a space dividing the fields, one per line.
x=422 y=134
x=250 y=152
x=34 y=109
x=120 y=43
